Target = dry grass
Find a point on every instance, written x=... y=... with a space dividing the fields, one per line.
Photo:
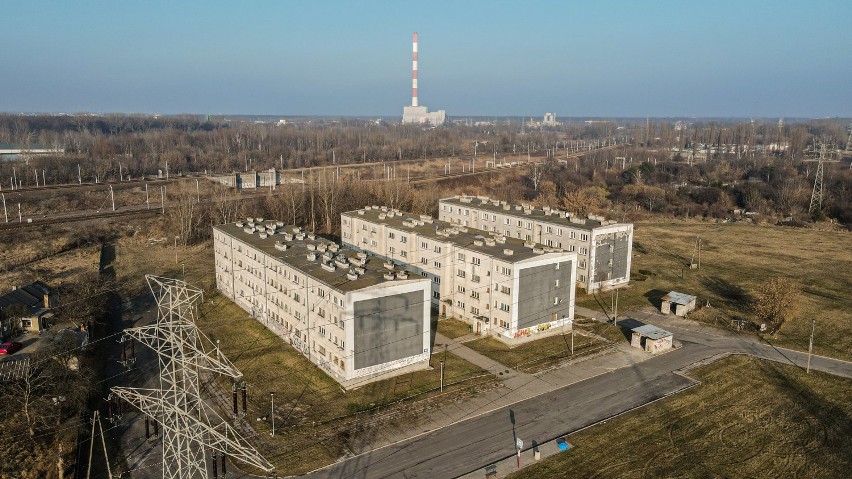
x=749 y=418
x=536 y=355
x=453 y=328
x=736 y=258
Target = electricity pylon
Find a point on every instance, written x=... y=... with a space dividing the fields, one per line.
x=190 y=425
x=816 y=196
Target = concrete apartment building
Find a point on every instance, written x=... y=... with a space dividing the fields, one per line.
x=346 y=312
x=604 y=248
x=501 y=286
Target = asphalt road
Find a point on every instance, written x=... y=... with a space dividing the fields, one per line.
x=472 y=444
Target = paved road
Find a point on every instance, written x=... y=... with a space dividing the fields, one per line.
x=470 y=445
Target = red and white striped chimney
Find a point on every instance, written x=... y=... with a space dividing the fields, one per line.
x=414 y=70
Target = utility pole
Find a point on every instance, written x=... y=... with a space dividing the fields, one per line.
x=191 y=428
x=272 y=412
x=5 y=213
x=20 y=218
x=811 y=345
x=198 y=190
x=147 y=203
x=112 y=197
x=163 y=198
x=79 y=175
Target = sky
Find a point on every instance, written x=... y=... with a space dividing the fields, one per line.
x=745 y=58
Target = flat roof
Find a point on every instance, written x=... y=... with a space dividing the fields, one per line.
x=458 y=235
x=555 y=216
x=296 y=255
x=651 y=331
x=679 y=298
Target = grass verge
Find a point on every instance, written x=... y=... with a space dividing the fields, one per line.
x=748 y=418
x=536 y=355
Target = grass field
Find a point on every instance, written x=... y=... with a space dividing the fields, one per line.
x=748 y=419
x=453 y=328
x=536 y=355
x=735 y=258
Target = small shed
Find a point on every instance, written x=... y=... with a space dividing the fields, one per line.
x=683 y=303
x=651 y=339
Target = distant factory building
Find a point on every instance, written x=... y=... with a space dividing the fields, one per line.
x=604 y=248
x=251 y=179
x=501 y=286
x=550 y=119
x=347 y=313
x=683 y=303
x=417 y=114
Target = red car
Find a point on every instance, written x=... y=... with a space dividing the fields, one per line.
x=10 y=347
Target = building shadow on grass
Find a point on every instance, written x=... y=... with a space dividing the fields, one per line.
x=655 y=297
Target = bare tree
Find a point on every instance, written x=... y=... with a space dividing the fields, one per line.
x=776 y=301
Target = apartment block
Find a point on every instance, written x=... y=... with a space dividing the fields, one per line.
x=346 y=312
x=604 y=248
x=501 y=286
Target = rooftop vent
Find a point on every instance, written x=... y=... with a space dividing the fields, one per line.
x=311 y=247
x=361 y=255
x=259 y=220
x=263 y=235
x=529 y=244
x=239 y=224
x=478 y=242
x=361 y=212
x=388 y=265
x=312 y=256
x=508 y=252
x=360 y=270
x=333 y=247
x=280 y=246
x=389 y=276
x=490 y=242
x=328 y=267
x=382 y=216
x=538 y=251
x=312 y=236
x=507 y=207
x=300 y=236
x=279 y=224
x=401 y=275
x=351 y=275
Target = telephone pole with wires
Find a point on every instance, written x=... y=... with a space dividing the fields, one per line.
x=190 y=425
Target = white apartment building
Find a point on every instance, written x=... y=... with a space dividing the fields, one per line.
x=349 y=314
x=501 y=286
x=604 y=248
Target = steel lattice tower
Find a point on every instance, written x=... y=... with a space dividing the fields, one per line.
x=190 y=426
x=816 y=196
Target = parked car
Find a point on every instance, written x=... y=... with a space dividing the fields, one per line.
x=10 y=347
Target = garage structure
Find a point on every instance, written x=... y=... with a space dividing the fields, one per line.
x=652 y=339
x=683 y=303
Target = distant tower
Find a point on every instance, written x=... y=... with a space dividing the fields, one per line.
x=849 y=139
x=414 y=69
x=816 y=196
x=415 y=113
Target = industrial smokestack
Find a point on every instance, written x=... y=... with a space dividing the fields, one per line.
x=414 y=69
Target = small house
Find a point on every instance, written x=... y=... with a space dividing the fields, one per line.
x=25 y=309
x=683 y=303
x=651 y=339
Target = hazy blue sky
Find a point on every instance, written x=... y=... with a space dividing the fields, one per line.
x=590 y=58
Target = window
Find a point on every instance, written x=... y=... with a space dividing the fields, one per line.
x=460 y=304
x=391 y=235
x=436 y=280
x=485 y=216
x=461 y=257
x=404 y=254
x=506 y=221
x=559 y=232
x=584 y=250
x=424 y=245
x=424 y=261
x=573 y=235
x=505 y=289
x=474 y=294
x=505 y=271
x=467 y=212
x=322 y=331
x=461 y=273
x=529 y=225
x=436 y=295
x=403 y=239
x=493 y=217
x=556 y=283
x=474 y=278
x=437 y=264
x=504 y=307
x=392 y=250
x=582 y=278
x=520 y=224
x=475 y=260
x=474 y=310
x=555 y=300
x=437 y=249
x=460 y=289
x=582 y=264
x=584 y=237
